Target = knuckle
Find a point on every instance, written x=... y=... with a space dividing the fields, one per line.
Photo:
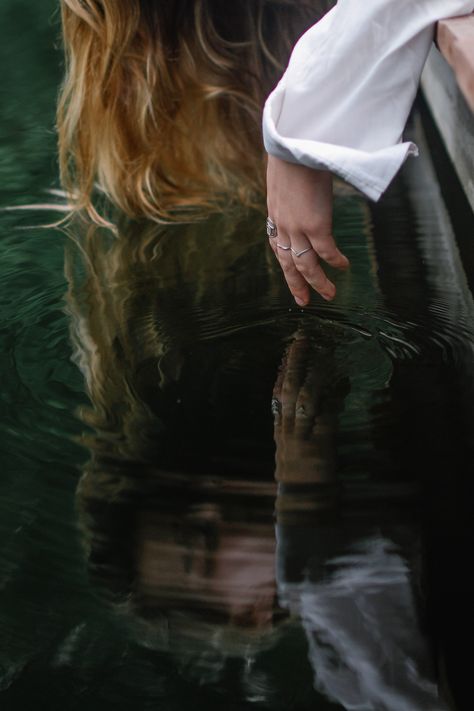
x=301 y=268
x=317 y=282
x=326 y=241
x=288 y=267
x=327 y=253
x=317 y=227
x=294 y=285
x=310 y=228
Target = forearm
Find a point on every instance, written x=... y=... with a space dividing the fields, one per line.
x=343 y=102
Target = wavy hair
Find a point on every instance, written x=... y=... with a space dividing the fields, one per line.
x=135 y=300
x=160 y=109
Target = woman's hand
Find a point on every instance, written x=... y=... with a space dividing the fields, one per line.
x=304 y=430
x=299 y=201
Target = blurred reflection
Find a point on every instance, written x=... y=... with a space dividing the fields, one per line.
x=349 y=582
x=176 y=501
x=181 y=346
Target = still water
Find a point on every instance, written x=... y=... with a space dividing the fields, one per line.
x=169 y=538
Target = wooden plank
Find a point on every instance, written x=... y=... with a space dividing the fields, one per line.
x=453 y=116
x=455 y=39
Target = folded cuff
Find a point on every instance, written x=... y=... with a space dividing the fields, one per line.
x=369 y=172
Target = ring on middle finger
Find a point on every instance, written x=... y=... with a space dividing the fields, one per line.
x=301 y=252
x=285 y=247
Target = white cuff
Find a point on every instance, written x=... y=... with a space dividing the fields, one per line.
x=344 y=99
x=369 y=172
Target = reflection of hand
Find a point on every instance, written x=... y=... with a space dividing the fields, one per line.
x=304 y=433
x=299 y=201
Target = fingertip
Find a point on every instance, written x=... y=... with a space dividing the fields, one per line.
x=329 y=293
x=344 y=262
x=301 y=296
x=301 y=302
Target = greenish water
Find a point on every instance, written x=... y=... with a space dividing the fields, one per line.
x=153 y=553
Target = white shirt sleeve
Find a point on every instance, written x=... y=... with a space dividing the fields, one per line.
x=344 y=99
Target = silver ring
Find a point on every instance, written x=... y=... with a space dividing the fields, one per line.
x=289 y=248
x=272 y=230
x=303 y=251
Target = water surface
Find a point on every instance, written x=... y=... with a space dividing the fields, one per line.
x=167 y=541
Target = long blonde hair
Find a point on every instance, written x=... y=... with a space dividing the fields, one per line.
x=160 y=108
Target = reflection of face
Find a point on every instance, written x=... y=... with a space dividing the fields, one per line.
x=225 y=569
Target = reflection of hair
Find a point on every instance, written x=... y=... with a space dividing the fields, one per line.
x=186 y=623
x=135 y=302
x=131 y=334
x=127 y=340
x=162 y=99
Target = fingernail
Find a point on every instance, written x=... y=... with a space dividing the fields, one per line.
x=299 y=301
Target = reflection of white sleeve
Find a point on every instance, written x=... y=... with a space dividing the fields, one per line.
x=343 y=102
x=360 y=620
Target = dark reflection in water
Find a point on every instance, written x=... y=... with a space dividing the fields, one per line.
x=298 y=585
x=220 y=554
x=182 y=546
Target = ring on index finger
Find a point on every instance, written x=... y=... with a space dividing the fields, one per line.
x=272 y=230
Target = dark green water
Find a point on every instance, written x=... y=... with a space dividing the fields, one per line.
x=154 y=553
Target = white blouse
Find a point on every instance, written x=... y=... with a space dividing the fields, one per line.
x=344 y=99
